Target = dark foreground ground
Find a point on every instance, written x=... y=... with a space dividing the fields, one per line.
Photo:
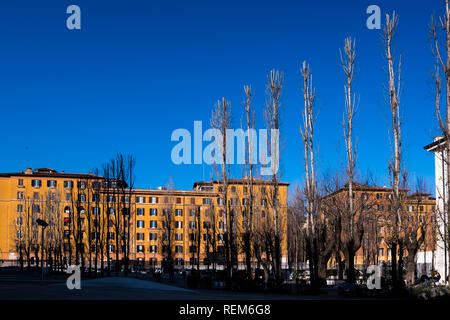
x=28 y=287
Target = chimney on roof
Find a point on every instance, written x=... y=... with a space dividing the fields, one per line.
x=29 y=171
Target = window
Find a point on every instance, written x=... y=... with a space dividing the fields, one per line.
x=68 y=184
x=233 y=189
x=68 y=197
x=192 y=249
x=82 y=197
x=234 y=201
x=380 y=230
x=125 y=199
x=20 y=195
x=220 y=237
x=111 y=211
x=140 y=236
x=111 y=199
x=206 y=201
x=244 y=201
x=380 y=207
x=192 y=212
x=245 y=190
x=140 y=249
x=66 y=222
x=178 y=212
x=19 y=208
x=96 y=197
x=364 y=196
x=389 y=252
x=36 y=208
x=178 y=236
x=410 y=208
x=178 y=200
x=179 y=262
x=94 y=235
x=36 y=183
x=178 y=224
x=110 y=235
x=264 y=202
x=206 y=224
x=220 y=224
x=220 y=201
x=153 y=249
x=379 y=196
x=81 y=184
x=140 y=199
x=192 y=237
x=205 y=237
x=95 y=210
x=111 y=248
x=192 y=200
x=140 y=212
x=19 y=234
x=192 y=225
x=140 y=223
x=152 y=236
x=153 y=200
x=51 y=183
x=95 y=185
x=263 y=214
x=153 y=212
x=153 y=224
x=19 y=221
x=179 y=249
x=165 y=212
x=380 y=252
x=164 y=224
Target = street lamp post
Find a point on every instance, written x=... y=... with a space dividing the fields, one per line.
x=43 y=224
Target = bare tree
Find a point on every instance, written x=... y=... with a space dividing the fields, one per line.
x=249 y=168
x=221 y=121
x=395 y=164
x=274 y=88
x=351 y=219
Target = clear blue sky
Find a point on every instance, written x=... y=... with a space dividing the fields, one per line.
x=138 y=69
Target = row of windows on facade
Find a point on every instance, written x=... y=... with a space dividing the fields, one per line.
x=111 y=211
x=140 y=236
x=139 y=199
x=68 y=184
x=178 y=224
x=165 y=249
x=410 y=208
x=140 y=223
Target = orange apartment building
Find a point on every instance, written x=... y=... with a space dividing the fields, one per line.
x=374 y=249
x=56 y=196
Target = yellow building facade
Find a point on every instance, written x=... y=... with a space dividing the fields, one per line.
x=84 y=223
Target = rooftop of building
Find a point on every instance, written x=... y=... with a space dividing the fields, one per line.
x=50 y=173
x=204 y=187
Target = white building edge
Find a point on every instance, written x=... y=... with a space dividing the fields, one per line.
x=441 y=254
